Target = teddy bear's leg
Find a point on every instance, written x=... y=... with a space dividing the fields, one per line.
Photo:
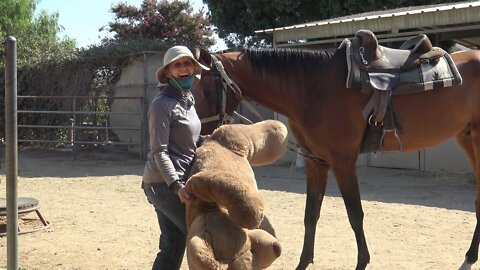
x=200 y=256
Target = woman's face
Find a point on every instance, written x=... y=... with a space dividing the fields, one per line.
x=180 y=68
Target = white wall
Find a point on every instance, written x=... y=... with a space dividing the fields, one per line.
x=446 y=157
x=131 y=84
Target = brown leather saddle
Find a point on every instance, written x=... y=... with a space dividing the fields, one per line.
x=383 y=72
x=371 y=56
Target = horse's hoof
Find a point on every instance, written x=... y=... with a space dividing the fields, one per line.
x=302 y=265
x=361 y=267
x=465 y=265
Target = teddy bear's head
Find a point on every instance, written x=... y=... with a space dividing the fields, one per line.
x=224 y=218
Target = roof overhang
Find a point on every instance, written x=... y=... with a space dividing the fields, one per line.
x=459 y=22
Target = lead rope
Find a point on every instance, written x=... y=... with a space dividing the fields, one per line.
x=304 y=152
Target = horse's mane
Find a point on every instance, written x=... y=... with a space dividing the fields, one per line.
x=280 y=59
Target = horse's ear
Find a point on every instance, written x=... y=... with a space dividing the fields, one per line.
x=196 y=53
x=203 y=56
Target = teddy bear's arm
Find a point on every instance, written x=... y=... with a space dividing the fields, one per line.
x=200 y=255
x=244 y=203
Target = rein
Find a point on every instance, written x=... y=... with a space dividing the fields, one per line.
x=301 y=151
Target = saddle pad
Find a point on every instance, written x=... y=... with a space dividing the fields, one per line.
x=432 y=74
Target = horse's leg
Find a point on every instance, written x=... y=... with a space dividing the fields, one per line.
x=317 y=174
x=469 y=140
x=346 y=176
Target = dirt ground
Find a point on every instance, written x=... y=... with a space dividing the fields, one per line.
x=100 y=218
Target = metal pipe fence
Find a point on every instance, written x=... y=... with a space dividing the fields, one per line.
x=78 y=132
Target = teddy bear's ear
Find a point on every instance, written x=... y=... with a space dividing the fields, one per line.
x=243 y=202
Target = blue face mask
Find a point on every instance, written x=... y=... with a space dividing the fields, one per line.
x=184 y=84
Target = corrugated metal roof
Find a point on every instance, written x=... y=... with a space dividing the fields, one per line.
x=440 y=18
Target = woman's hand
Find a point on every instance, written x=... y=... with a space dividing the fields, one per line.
x=185 y=197
x=202 y=139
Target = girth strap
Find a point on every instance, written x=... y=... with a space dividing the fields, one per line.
x=376 y=106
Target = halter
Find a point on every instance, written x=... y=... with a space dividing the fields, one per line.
x=227 y=83
x=222 y=116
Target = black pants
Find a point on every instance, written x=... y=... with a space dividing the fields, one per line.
x=173 y=232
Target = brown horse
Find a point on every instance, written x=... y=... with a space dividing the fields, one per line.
x=309 y=88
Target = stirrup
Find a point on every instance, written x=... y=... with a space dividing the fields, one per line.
x=399 y=143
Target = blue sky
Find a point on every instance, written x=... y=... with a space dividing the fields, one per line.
x=82 y=19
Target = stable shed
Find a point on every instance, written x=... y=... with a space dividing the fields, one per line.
x=459 y=22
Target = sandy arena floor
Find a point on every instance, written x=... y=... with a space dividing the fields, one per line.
x=100 y=218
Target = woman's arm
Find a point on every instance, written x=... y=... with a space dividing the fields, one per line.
x=159 y=120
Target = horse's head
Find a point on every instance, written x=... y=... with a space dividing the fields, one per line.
x=215 y=102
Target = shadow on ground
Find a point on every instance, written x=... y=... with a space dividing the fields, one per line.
x=31 y=163
x=376 y=184
x=384 y=185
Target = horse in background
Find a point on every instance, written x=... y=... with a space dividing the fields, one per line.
x=308 y=87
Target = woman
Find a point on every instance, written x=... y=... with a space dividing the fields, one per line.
x=174 y=130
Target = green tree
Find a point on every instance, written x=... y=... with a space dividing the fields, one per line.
x=40 y=52
x=173 y=22
x=36 y=36
x=16 y=16
x=237 y=20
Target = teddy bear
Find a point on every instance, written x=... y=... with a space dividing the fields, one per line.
x=224 y=218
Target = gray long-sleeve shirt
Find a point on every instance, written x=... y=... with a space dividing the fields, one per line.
x=174 y=129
